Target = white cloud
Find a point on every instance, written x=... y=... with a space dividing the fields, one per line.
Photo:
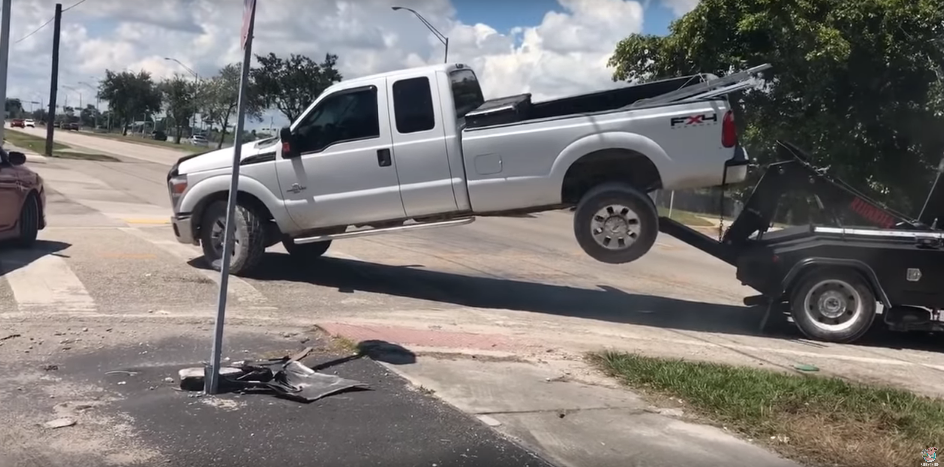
x=565 y=54
x=680 y=7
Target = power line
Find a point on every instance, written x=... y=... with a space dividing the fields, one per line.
x=47 y=22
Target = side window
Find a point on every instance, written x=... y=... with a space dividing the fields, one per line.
x=413 y=105
x=345 y=116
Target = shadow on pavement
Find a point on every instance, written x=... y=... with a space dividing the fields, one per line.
x=379 y=351
x=604 y=303
x=13 y=257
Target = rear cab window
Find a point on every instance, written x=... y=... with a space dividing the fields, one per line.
x=466 y=92
x=413 y=105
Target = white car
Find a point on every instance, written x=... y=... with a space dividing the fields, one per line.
x=199 y=140
x=30 y=123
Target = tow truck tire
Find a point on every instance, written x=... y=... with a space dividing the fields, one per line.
x=615 y=223
x=833 y=305
x=306 y=251
x=250 y=238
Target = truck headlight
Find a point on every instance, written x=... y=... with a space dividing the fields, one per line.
x=176 y=186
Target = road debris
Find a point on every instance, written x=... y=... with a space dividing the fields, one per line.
x=59 y=423
x=9 y=336
x=805 y=367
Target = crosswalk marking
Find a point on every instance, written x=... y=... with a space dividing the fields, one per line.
x=245 y=293
x=45 y=282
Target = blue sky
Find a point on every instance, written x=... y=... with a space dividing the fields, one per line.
x=530 y=12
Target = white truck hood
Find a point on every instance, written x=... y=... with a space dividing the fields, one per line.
x=223 y=158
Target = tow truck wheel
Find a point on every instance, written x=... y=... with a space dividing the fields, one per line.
x=306 y=251
x=833 y=306
x=615 y=223
x=250 y=241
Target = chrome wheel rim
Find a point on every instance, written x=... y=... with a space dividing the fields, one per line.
x=217 y=232
x=615 y=227
x=833 y=305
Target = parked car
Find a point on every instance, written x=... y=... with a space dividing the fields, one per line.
x=22 y=200
x=57 y=124
x=30 y=123
x=199 y=140
x=422 y=148
x=72 y=126
x=17 y=123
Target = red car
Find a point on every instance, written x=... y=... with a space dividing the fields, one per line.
x=17 y=123
x=22 y=200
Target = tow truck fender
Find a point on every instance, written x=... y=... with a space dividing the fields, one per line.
x=807 y=264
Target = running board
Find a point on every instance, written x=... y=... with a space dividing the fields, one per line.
x=399 y=228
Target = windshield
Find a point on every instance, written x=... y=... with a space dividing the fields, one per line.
x=466 y=92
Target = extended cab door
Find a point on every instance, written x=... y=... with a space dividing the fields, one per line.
x=419 y=146
x=344 y=172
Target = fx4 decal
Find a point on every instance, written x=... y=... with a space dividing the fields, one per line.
x=693 y=120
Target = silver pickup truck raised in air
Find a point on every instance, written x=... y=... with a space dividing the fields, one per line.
x=421 y=148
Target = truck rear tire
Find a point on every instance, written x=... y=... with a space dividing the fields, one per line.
x=833 y=305
x=250 y=241
x=615 y=223
x=306 y=251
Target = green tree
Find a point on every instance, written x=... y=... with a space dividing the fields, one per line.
x=89 y=116
x=180 y=103
x=858 y=84
x=14 y=107
x=130 y=96
x=292 y=84
x=219 y=96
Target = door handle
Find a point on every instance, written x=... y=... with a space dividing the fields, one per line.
x=383 y=157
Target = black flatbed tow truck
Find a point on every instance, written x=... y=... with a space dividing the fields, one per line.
x=831 y=279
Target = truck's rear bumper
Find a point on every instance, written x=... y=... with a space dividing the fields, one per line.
x=735 y=168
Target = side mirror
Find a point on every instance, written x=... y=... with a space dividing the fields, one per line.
x=16 y=158
x=288 y=142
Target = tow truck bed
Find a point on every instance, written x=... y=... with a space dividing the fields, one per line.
x=830 y=279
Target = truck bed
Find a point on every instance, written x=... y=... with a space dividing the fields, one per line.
x=517 y=109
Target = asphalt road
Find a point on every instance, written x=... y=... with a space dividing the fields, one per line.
x=111 y=254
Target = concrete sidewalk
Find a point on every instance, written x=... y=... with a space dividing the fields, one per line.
x=128 y=410
x=562 y=409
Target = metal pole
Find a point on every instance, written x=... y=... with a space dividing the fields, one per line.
x=212 y=377
x=4 y=58
x=53 y=80
x=671 y=202
x=446 y=58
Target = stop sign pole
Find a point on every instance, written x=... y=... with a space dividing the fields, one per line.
x=212 y=372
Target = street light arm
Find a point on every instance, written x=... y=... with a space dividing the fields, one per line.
x=194 y=73
x=442 y=37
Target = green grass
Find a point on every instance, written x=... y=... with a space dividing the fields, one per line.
x=688 y=218
x=62 y=151
x=30 y=142
x=825 y=420
x=184 y=147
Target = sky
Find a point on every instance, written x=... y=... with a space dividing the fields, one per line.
x=550 y=48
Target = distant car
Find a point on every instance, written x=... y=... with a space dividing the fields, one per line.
x=57 y=125
x=159 y=135
x=199 y=140
x=22 y=200
x=17 y=123
x=73 y=126
x=30 y=123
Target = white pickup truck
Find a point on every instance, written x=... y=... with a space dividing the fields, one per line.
x=421 y=148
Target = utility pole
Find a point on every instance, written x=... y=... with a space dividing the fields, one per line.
x=53 y=80
x=4 y=59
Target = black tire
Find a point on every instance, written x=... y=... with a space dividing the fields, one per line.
x=29 y=222
x=842 y=316
x=250 y=238
x=639 y=212
x=306 y=251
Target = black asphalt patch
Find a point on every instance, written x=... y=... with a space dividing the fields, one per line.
x=393 y=424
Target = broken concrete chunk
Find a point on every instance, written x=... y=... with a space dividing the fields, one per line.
x=59 y=423
x=192 y=379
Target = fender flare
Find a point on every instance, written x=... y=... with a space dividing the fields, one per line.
x=803 y=266
x=196 y=195
x=613 y=140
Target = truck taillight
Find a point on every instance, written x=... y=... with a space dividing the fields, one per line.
x=729 y=137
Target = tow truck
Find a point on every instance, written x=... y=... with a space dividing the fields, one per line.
x=833 y=281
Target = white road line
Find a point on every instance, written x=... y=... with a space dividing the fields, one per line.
x=44 y=283
x=244 y=291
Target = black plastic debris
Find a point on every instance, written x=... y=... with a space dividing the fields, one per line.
x=284 y=377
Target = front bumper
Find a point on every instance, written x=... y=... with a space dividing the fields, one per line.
x=183 y=229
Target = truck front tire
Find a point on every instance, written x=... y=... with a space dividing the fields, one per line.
x=615 y=223
x=833 y=305
x=250 y=241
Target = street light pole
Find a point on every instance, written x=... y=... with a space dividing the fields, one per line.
x=442 y=37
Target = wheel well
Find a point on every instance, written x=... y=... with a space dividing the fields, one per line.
x=242 y=198
x=609 y=165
